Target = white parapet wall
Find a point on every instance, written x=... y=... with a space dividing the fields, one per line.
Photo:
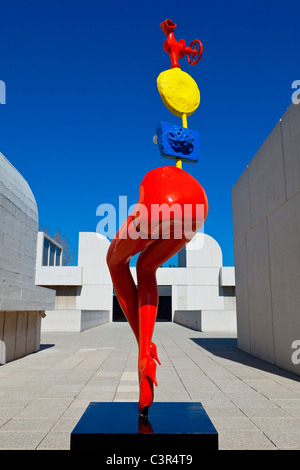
x=59 y=275
x=207 y=320
x=73 y=320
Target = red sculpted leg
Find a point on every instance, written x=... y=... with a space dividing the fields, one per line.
x=121 y=250
x=149 y=260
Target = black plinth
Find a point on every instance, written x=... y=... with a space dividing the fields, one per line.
x=172 y=430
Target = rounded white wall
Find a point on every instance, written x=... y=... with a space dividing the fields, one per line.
x=203 y=251
x=96 y=289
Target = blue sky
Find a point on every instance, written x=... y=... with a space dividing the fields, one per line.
x=82 y=104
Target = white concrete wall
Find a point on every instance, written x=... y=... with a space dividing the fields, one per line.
x=266 y=221
x=18 y=212
x=203 y=251
x=203 y=296
x=199 y=291
x=58 y=275
x=203 y=264
x=207 y=320
x=19 y=333
x=73 y=320
x=227 y=276
x=97 y=289
x=21 y=302
x=84 y=296
x=199 y=286
x=18 y=234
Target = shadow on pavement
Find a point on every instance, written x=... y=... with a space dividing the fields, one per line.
x=46 y=346
x=227 y=348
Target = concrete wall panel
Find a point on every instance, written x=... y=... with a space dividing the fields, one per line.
x=266 y=177
x=9 y=334
x=31 y=332
x=22 y=320
x=18 y=234
x=284 y=246
x=259 y=293
x=206 y=297
x=207 y=320
x=241 y=292
x=241 y=215
x=290 y=124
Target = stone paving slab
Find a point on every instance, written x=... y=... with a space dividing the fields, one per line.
x=252 y=404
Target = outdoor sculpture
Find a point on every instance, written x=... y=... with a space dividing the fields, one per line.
x=172 y=207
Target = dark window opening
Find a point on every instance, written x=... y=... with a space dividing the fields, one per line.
x=164 y=311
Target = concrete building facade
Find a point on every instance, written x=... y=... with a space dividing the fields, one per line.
x=200 y=293
x=83 y=293
x=266 y=226
x=22 y=303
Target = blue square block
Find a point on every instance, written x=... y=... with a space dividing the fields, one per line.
x=178 y=142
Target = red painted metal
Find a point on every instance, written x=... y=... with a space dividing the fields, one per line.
x=178 y=49
x=143 y=233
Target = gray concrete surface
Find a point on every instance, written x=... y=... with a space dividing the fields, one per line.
x=266 y=219
x=22 y=303
x=252 y=404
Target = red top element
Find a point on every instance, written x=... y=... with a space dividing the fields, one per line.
x=177 y=49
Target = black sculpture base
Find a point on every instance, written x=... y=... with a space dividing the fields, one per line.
x=173 y=431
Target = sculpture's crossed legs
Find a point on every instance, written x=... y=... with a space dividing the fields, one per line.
x=140 y=303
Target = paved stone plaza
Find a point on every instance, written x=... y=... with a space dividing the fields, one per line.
x=252 y=404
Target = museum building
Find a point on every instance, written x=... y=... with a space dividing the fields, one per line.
x=199 y=293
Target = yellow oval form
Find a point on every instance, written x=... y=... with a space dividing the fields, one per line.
x=179 y=91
